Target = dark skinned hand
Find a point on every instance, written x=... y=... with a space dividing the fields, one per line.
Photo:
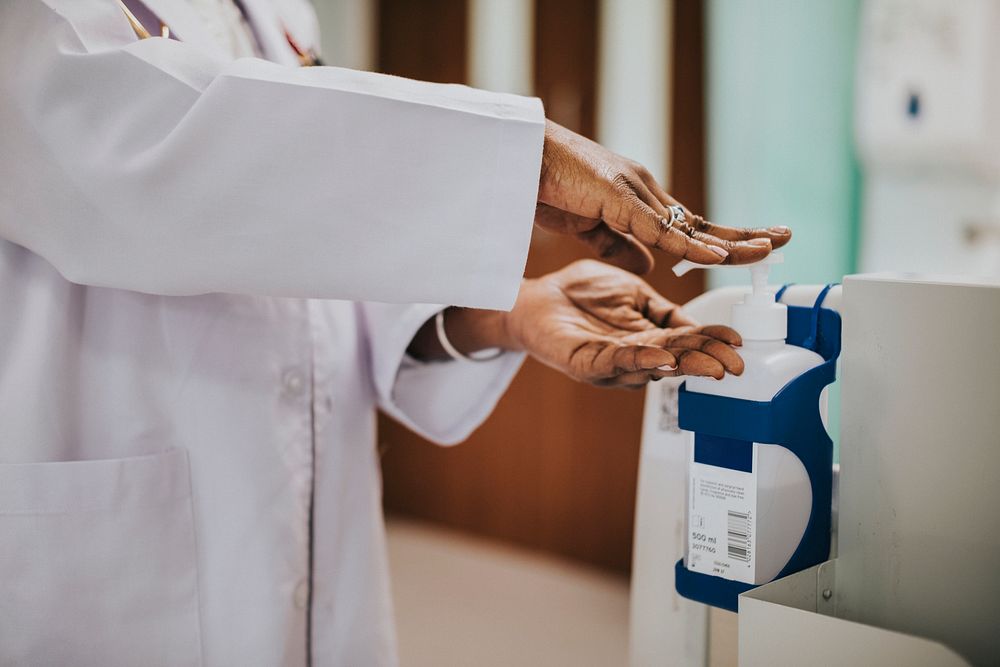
x=614 y=206
x=605 y=326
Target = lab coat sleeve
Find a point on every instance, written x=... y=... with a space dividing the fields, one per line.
x=442 y=401
x=159 y=167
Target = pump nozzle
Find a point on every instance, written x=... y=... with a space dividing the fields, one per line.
x=685 y=265
x=758 y=317
x=758 y=277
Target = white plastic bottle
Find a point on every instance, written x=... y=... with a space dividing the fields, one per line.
x=742 y=525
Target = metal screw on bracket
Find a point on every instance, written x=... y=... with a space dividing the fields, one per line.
x=827 y=594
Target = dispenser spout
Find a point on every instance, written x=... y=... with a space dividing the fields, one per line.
x=685 y=265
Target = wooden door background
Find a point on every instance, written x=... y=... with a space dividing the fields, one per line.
x=555 y=466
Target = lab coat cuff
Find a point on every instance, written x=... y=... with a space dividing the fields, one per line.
x=442 y=401
x=515 y=195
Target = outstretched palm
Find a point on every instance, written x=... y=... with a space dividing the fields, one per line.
x=602 y=325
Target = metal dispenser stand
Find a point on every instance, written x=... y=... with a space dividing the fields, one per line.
x=915 y=581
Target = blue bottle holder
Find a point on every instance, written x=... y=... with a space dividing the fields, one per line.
x=792 y=420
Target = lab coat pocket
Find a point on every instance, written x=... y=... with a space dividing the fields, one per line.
x=98 y=563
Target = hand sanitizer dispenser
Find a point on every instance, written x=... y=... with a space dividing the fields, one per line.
x=759 y=476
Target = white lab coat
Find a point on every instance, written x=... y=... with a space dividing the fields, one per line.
x=188 y=471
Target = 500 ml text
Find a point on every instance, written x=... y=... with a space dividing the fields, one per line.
x=703 y=543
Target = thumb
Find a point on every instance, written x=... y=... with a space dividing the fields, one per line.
x=610 y=245
x=618 y=249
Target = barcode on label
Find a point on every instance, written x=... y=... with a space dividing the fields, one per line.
x=739 y=535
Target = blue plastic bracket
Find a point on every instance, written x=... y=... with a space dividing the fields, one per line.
x=791 y=419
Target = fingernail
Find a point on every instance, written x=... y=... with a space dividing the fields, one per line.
x=781 y=229
x=760 y=243
x=719 y=251
x=666 y=368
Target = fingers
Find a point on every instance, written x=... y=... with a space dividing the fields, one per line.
x=740 y=252
x=695 y=250
x=635 y=380
x=610 y=245
x=778 y=236
x=619 y=249
x=675 y=240
x=725 y=334
x=635 y=358
x=721 y=352
x=702 y=351
x=706 y=351
x=670 y=350
x=638 y=208
x=694 y=362
x=639 y=219
x=662 y=195
x=689 y=362
x=635 y=365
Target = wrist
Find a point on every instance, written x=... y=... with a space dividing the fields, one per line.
x=472 y=330
x=550 y=155
x=469 y=331
x=511 y=325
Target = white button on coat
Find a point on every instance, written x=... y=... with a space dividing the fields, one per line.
x=294 y=383
x=178 y=229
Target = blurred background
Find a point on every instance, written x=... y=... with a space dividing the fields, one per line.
x=516 y=546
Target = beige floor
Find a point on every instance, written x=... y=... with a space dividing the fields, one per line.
x=465 y=601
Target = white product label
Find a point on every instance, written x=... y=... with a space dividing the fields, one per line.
x=722 y=521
